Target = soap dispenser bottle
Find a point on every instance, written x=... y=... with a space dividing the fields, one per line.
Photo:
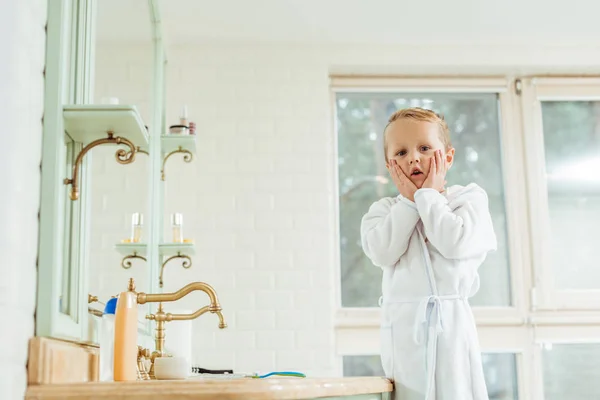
x=107 y=341
x=126 y=319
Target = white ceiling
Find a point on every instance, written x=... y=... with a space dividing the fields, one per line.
x=357 y=21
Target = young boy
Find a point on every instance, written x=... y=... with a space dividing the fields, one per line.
x=429 y=241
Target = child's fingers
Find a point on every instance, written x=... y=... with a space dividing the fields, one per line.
x=443 y=162
x=394 y=171
x=401 y=176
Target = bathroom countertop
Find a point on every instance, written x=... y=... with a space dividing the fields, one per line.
x=246 y=388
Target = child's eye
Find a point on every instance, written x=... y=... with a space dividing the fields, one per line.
x=425 y=148
x=401 y=153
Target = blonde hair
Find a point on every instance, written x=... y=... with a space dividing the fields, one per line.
x=423 y=115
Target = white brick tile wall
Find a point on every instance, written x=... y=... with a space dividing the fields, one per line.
x=236 y=340
x=251 y=360
x=313 y=339
x=259 y=196
x=273 y=259
x=255 y=320
x=274 y=300
x=22 y=45
x=275 y=340
x=292 y=280
x=297 y=320
x=256 y=280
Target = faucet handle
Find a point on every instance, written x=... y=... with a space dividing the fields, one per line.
x=159 y=315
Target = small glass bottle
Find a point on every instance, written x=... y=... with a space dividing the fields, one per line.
x=137 y=222
x=107 y=341
x=177 y=226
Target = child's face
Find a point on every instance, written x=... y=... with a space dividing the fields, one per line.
x=413 y=144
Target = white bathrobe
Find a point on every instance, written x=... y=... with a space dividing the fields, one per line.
x=430 y=251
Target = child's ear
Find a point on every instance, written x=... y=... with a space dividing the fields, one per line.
x=450 y=157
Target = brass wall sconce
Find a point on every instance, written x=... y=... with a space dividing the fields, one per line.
x=187 y=263
x=126 y=262
x=139 y=150
x=188 y=157
x=122 y=156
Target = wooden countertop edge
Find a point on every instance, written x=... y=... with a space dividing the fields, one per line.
x=260 y=389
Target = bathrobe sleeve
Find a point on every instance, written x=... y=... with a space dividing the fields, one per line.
x=386 y=230
x=461 y=229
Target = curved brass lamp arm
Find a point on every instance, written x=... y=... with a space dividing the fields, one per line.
x=188 y=157
x=122 y=156
x=139 y=150
x=187 y=263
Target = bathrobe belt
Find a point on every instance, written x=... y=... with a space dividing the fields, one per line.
x=422 y=323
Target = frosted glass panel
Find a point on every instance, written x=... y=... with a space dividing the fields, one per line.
x=571 y=371
x=499 y=368
x=572 y=150
x=474 y=125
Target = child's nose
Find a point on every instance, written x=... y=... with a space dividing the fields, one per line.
x=414 y=158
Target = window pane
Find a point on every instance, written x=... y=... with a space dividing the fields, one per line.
x=572 y=150
x=363 y=366
x=474 y=124
x=571 y=371
x=500 y=372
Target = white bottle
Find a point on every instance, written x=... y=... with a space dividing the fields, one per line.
x=107 y=341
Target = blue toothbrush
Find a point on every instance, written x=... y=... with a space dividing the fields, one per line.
x=284 y=373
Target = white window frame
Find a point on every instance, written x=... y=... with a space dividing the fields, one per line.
x=535 y=91
x=538 y=314
x=516 y=223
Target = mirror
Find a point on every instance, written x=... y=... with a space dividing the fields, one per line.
x=119 y=213
x=68 y=295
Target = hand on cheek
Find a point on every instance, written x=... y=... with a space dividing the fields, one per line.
x=436 y=177
x=404 y=185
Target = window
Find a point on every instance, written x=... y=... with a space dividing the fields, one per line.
x=474 y=120
x=534 y=145
x=571 y=371
x=499 y=369
x=564 y=120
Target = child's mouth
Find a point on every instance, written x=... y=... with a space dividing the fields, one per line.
x=415 y=173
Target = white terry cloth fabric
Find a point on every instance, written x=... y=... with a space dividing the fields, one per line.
x=430 y=251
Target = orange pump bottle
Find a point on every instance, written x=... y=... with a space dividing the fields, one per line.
x=125 y=354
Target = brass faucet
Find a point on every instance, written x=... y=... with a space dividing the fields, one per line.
x=161 y=317
x=143 y=354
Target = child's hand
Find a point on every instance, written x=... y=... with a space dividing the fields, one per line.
x=436 y=178
x=403 y=184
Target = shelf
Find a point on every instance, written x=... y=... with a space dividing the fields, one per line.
x=165 y=249
x=172 y=249
x=173 y=142
x=127 y=249
x=88 y=122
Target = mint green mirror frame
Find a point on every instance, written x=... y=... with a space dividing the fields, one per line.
x=63 y=227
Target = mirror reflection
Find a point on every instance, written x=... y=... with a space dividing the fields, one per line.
x=119 y=212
